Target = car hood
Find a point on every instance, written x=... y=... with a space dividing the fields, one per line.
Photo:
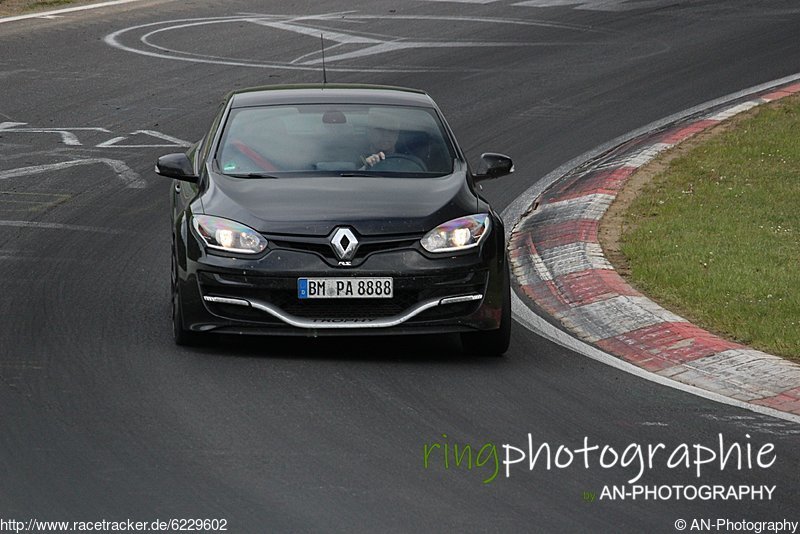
x=314 y=206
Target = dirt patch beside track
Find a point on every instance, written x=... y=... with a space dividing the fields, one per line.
x=24 y=7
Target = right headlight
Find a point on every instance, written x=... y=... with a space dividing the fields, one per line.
x=459 y=234
x=227 y=235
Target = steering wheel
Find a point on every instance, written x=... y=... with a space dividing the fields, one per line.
x=250 y=153
x=401 y=162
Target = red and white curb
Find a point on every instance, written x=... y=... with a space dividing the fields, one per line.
x=559 y=264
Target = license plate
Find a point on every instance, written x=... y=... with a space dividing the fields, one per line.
x=345 y=288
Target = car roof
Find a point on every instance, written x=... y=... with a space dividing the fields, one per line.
x=329 y=94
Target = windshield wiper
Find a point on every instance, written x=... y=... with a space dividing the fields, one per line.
x=253 y=175
x=357 y=174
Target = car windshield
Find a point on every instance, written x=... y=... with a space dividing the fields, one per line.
x=346 y=140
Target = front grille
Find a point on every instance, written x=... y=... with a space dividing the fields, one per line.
x=322 y=245
x=282 y=293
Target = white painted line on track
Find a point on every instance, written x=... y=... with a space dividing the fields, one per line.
x=339 y=37
x=67 y=137
x=313 y=25
x=538 y=325
x=111 y=142
x=173 y=141
x=126 y=174
x=51 y=14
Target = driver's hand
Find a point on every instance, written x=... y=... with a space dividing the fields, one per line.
x=374 y=158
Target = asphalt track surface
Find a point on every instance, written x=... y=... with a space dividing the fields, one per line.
x=101 y=416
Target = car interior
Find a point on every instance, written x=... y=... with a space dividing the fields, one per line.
x=286 y=139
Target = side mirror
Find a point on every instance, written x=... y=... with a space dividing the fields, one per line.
x=494 y=166
x=176 y=166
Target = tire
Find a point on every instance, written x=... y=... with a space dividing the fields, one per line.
x=181 y=336
x=492 y=342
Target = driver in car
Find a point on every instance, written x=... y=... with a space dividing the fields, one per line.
x=384 y=142
x=389 y=147
x=384 y=132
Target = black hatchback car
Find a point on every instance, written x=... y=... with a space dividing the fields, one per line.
x=335 y=209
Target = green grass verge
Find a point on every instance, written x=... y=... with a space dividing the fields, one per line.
x=716 y=237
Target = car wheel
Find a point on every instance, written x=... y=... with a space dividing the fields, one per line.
x=492 y=342
x=181 y=336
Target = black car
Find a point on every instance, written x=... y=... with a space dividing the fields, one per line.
x=335 y=209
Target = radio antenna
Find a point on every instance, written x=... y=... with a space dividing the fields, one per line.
x=324 y=73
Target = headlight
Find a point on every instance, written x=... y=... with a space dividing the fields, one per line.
x=458 y=234
x=227 y=235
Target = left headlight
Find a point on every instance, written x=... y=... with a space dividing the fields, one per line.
x=227 y=235
x=458 y=234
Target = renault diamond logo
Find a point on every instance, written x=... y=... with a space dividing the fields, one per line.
x=344 y=244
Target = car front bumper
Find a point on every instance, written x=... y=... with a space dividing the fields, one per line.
x=459 y=293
